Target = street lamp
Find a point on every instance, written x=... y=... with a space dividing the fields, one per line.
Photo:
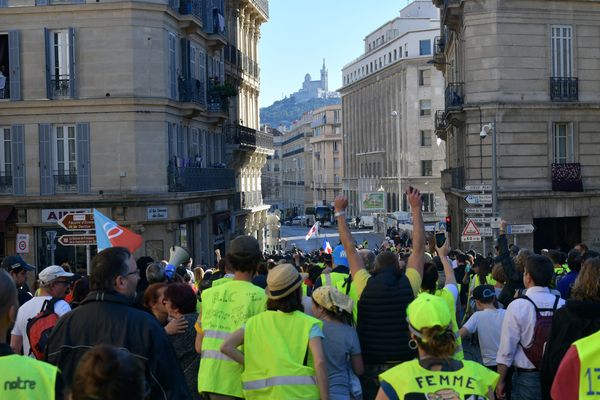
x=296 y=181
x=396 y=115
x=485 y=131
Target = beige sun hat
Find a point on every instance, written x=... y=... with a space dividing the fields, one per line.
x=283 y=280
x=331 y=299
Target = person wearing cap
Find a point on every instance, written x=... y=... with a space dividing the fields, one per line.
x=277 y=361
x=341 y=345
x=109 y=315
x=435 y=373
x=225 y=308
x=54 y=284
x=18 y=268
x=23 y=378
x=487 y=323
x=384 y=295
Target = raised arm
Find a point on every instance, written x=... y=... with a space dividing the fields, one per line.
x=417 y=257
x=354 y=260
x=448 y=271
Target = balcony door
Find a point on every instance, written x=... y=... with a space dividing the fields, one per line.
x=562 y=51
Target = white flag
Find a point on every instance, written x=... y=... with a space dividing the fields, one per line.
x=313 y=231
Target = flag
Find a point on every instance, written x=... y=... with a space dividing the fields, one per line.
x=327 y=247
x=313 y=231
x=110 y=234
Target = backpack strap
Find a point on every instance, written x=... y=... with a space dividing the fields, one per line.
x=525 y=297
x=48 y=306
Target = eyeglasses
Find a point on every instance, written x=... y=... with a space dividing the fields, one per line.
x=136 y=272
x=63 y=282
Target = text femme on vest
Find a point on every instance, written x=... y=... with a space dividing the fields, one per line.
x=445 y=380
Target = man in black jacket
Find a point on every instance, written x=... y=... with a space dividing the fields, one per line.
x=108 y=316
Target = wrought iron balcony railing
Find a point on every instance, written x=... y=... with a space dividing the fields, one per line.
x=567 y=177
x=192 y=7
x=454 y=95
x=440 y=120
x=65 y=181
x=192 y=90
x=195 y=179
x=439 y=46
x=6 y=182
x=5 y=92
x=244 y=136
x=60 y=86
x=564 y=89
x=453 y=178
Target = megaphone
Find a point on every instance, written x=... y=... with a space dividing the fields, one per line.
x=178 y=256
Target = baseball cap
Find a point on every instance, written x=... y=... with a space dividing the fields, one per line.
x=427 y=311
x=483 y=292
x=14 y=262
x=247 y=245
x=339 y=256
x=53 y=272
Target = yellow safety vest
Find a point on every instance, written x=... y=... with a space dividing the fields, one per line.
x=25 y=378
x=352 y=293
x=472 y=379
x=588 y=350
x=449 y=298
x=276 y=344
x=333 y=278
x=220 y=281
x=224 y=310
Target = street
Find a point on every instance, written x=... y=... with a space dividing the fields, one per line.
x=295 y=235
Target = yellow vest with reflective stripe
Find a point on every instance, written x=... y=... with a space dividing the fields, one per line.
x=333 y=278
x=449 y=298
x=225 y=309
x=25 y=378
x=588 y=350
x=472 y=379
x=353 y=294
x=276 y=345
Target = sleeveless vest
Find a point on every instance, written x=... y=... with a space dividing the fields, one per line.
x=382 y=327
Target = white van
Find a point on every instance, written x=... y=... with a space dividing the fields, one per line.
x=366 y=221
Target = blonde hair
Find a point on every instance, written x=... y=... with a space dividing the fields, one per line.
x=587 y=284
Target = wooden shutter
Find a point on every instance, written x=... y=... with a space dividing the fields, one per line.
x=46 y=174
x=15 y=64
x=82 y=136
x=48 y=66
x=72 y=64
x=18 y=158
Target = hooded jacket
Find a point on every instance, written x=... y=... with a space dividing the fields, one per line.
x=577 y=319
x=111 y=318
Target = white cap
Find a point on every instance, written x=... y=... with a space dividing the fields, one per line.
x=52 y=272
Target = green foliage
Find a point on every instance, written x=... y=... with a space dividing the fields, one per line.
x=287 y=110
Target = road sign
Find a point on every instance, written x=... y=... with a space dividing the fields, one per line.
x=474 y=238
x=78 y=222
x=51 y=235
x=77 y=240
x=481 y=210
x=476 y=199
x=480 y=220
x=470 y=229
x=520 y=229
x=486 y=232
x=22 y=243
x=495 y=222
x=478 y=188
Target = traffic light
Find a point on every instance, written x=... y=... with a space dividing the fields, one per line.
x=449 y=224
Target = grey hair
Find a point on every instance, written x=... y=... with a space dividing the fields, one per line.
x=155 y=272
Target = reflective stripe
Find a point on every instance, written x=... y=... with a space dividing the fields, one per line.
x=213 y=334
x=216 y=355
x=328 y=279
x=279 y=381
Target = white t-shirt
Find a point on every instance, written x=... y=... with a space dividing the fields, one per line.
x=29 y=310
x=488 y=325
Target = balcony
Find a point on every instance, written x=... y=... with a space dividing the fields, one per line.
x=453 y=178
x=191 y=7
x=564 y=89
x=193 y=91
x=567 y=177
x=195 y=179
x=60 y=86
x=65 y=181
x=440 y=124
x=248 y=137
x=5 y=92
x=5 y=183
x=439 y=47
x=455 y=96
x=450 y=13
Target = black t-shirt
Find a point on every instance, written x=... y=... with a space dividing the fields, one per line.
x=24 y=295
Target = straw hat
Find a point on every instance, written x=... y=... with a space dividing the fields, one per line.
x=283 y=280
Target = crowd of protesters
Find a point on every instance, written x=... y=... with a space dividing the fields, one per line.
x=394 y=322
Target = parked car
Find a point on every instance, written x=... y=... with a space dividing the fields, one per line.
x=366 y=221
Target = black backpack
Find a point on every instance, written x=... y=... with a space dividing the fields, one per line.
x=541 y=332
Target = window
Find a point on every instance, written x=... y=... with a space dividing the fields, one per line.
x=59 y=69
x=395 y=54
x=426 y=168
x=424 y=77
x=424 y=107
x=424 y=47
x=172 y=65
x=400 y=52
x=65 y=153
x=563 y=148
x=335 y=147
x=428 y=202
x=562 y=51
x=5 y=156
x=336 y=163
x=425 y=138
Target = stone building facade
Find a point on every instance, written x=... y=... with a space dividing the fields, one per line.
x=388 y=99
x=531 y=67
x=125 y=107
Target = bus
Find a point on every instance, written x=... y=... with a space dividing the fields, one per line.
x=324 y=214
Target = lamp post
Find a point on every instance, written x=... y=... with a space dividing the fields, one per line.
x=396 y=116
x=296 y=182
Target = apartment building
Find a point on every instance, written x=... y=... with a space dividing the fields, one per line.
x=529 y=68
x=272 y=179
x=124 y=107
x=327 y=154
x=388 y=97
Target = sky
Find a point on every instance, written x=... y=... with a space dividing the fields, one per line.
x=300 y=33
